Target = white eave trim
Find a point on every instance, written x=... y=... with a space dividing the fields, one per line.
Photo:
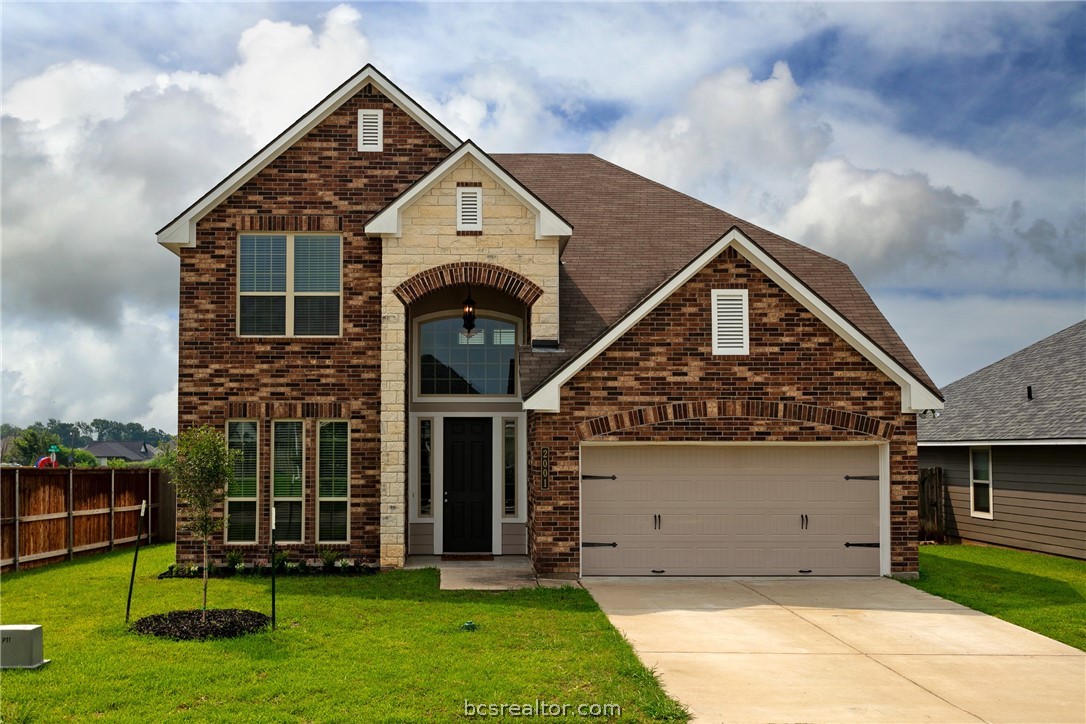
x=914 y=395
x=182 y=231
x=997 y=443
x=547 y=223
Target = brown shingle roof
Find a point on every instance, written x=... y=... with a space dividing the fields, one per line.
x=632 y=234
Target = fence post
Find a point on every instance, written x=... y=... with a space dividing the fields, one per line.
x=71 y=515
x=112 y=505
x=16 y=554
x=149 y=506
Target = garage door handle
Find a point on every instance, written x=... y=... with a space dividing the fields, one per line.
x=861 y=545
x=612 y=544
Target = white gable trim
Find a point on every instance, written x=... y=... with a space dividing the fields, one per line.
x=547 y=223
x=914 y=395
x=181 y=232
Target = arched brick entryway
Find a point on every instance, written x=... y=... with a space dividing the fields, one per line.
x=468 y=272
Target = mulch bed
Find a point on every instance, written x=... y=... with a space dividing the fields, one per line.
x=221 y=623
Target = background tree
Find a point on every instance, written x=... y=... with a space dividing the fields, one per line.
x=201 y=466
x=31 y=445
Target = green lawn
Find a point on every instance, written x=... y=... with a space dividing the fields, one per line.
x=1043 y=593
x=374 y=648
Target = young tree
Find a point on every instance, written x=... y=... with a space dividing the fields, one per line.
x=201 y=466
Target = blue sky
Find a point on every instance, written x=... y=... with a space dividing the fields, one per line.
x=938 y=148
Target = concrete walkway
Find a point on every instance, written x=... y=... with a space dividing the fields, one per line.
x=503 y=573
x=839 y=650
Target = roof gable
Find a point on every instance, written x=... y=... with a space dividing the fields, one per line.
x=915 y=394
x=387 y=222
x=632 y=235
x=181 y=232
x=994 y=403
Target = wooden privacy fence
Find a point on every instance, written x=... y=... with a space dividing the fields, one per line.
x=48 y=515
x=932 y=521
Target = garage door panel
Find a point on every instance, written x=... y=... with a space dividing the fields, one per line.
x=704 y=510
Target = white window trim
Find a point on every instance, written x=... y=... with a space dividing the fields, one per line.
x=380 y=115
x=973 y=512
x=289 y=293
x=289 y=498
x=416 y=362
x=332 y=498
x=498 y=497
x=255 y=499
x=461 y=192
x=718 y=347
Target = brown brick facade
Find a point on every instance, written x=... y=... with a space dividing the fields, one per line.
x=659 y=382
x=320 y=184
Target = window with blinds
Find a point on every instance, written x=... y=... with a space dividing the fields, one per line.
x=289 y=285
x=371 y=132
x=731 y=334
x=469 y=208
x=333 y=481
x=241 y=435
x=287 y=480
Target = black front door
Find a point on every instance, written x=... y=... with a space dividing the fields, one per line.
x=468 y=483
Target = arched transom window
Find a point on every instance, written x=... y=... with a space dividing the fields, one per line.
x=453 y=363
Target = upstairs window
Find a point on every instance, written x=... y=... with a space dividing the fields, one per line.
x=289 y=285
x=451 y=363
x=469 y=208
x=371 y=131
x=730 y=322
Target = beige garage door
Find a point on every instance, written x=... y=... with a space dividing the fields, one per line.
x=679 y=510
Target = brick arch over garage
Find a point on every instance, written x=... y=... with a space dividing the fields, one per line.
x=707 y=409
x=468 y=272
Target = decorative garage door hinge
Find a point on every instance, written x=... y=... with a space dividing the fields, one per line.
x=861 y=545
x=612 y=544
x=599 y=477
x=861 y=477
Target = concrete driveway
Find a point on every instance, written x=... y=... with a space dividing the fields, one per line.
x=839 y=650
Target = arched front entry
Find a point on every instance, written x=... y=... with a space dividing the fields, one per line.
x=466 y=453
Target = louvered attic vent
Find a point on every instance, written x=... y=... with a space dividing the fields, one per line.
x=371 y=135
x=469 y=209
x=730 y=322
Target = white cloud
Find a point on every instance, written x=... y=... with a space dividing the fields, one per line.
x=284 y=70
x=877 y=221
x=735 y=140
x=79 y=372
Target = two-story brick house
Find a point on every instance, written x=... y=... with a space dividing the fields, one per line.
x=422 y=348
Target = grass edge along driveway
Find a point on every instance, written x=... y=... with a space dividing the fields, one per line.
x=1037 y=591
x=373 y=648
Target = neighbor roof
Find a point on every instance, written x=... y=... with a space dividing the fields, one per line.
x=631 y=235
x=127 y=449
x=992 y=404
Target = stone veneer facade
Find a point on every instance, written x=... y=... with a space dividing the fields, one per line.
x=428 y=240
x=659 y=382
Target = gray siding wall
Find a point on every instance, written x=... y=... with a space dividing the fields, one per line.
x=1038 y=496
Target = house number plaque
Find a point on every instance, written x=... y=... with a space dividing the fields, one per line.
x=545 y=468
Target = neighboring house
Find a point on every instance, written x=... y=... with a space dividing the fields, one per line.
x=131 y=451
x=423 y=348
x=1012 y=446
